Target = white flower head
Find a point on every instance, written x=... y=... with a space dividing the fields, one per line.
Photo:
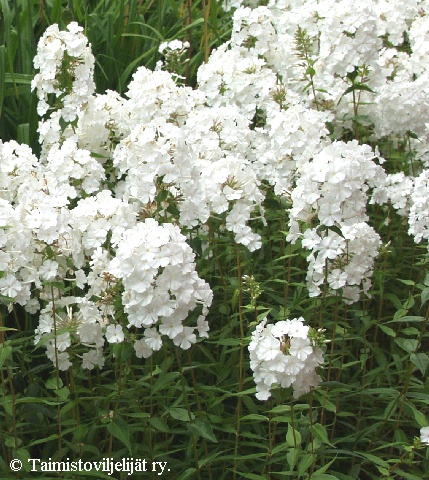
x=283 y=354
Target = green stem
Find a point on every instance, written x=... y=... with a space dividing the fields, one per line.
x=188 y=409
x=239 y=409
x=57 y=375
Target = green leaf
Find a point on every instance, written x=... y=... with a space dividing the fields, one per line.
x=164 y=380
x=252 y=476
x=420 y=360
x=394 y=299
x=5 y=352
x=321 y=471
x=399 y=314
x=281 y=409
x=305 y=463
x=411 y=331
x=53 y=383
x=188 y=473
x=24 y=133
x=2 y=75
x=180 y=414
x=23 y=455
x=407 y=344
x=406 y=475
x=292 y=457
x=63 y=393
x=420 y=418
x=387 y=330
x=293 y=437
x=323 y=476
x=120 y=430
x=52 y=437
x=254 y=417
x=203 y=429
x=10 y=441
x=310 y=71
x=375 y=460
x=159 y=424
x=424 y=296
x=409 y=319
x=319 y=432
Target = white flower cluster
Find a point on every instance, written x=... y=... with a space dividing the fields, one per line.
x=87 y=234
x=150 y=266
x=329 y=214
x=342 y=42
x=283 y=354
x=418 y=217
x=409 y=196
x=161 y=286
x=170 y=141
x=66 y=66
x=396 y=189
x=120 y=179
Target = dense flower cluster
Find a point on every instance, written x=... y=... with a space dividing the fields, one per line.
x=285 y=354
x=332 y=47
x=156 y=267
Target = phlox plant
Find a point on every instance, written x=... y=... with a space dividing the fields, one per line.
x=230 y=277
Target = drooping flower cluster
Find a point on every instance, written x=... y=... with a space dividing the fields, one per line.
x=285 y=354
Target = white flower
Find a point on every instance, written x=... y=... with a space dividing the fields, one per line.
x=142 y=349
x=424 y=435
x=300 y=348
x=92 y=358
x=203 y=327
x=63 y=341
x=185 y=338
x=48 y=270
x=152 y=339
x=171 y=327
x=337 y=279
x=9 y=286
x=114 y=334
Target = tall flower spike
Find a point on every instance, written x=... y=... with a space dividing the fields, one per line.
x=65 y=79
